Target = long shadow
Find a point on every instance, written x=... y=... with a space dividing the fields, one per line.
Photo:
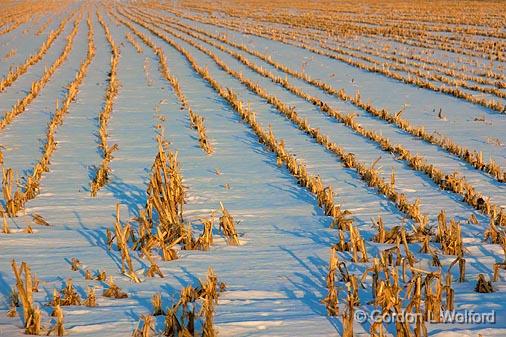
x=97 y=237
x=310 y=289
x=313 y=235
x=127 y=194
x=5 y=291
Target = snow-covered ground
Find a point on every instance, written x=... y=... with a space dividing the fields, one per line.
x=276 y=278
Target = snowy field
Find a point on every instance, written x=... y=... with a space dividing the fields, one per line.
x=417 y=131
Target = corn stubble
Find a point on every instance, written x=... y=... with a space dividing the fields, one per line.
x=102 y=173
x=16 y=194
x=395 y=70
x=448 y=234
x=399 y=284
x=160 y=224
x=196 y=121
x=452 y=182
x=195 y=307
x=473 y=157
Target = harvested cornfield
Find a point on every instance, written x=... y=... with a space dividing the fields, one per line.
x=253 y=168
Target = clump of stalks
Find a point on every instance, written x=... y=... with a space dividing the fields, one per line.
x=114 y=291
x=13 y=303
x=160 y=224
x=355 y=244
x=91 y=298
x=166 y=193
x=449 y=235
x=197 y=122
x=75 y=264
x=483 y=286
x=100 y=275
x=383 y=235
x=31 y=313
x=386 y=293
x=227 y=226
x=180 y=319
x=495 y=232
x=10 y=54
x=68 y=296
x=145 y=328
x=13 y=202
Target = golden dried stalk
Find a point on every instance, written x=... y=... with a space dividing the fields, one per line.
x=122 y=234
x=39 y=220
x=58 y=327
x=197 y=122
x=5 y=227
x=31 y=314
x=205 y=240
x=348 y=316
x=227 y=226
x=331 y=301
x=147 y=327
x=156 y=301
